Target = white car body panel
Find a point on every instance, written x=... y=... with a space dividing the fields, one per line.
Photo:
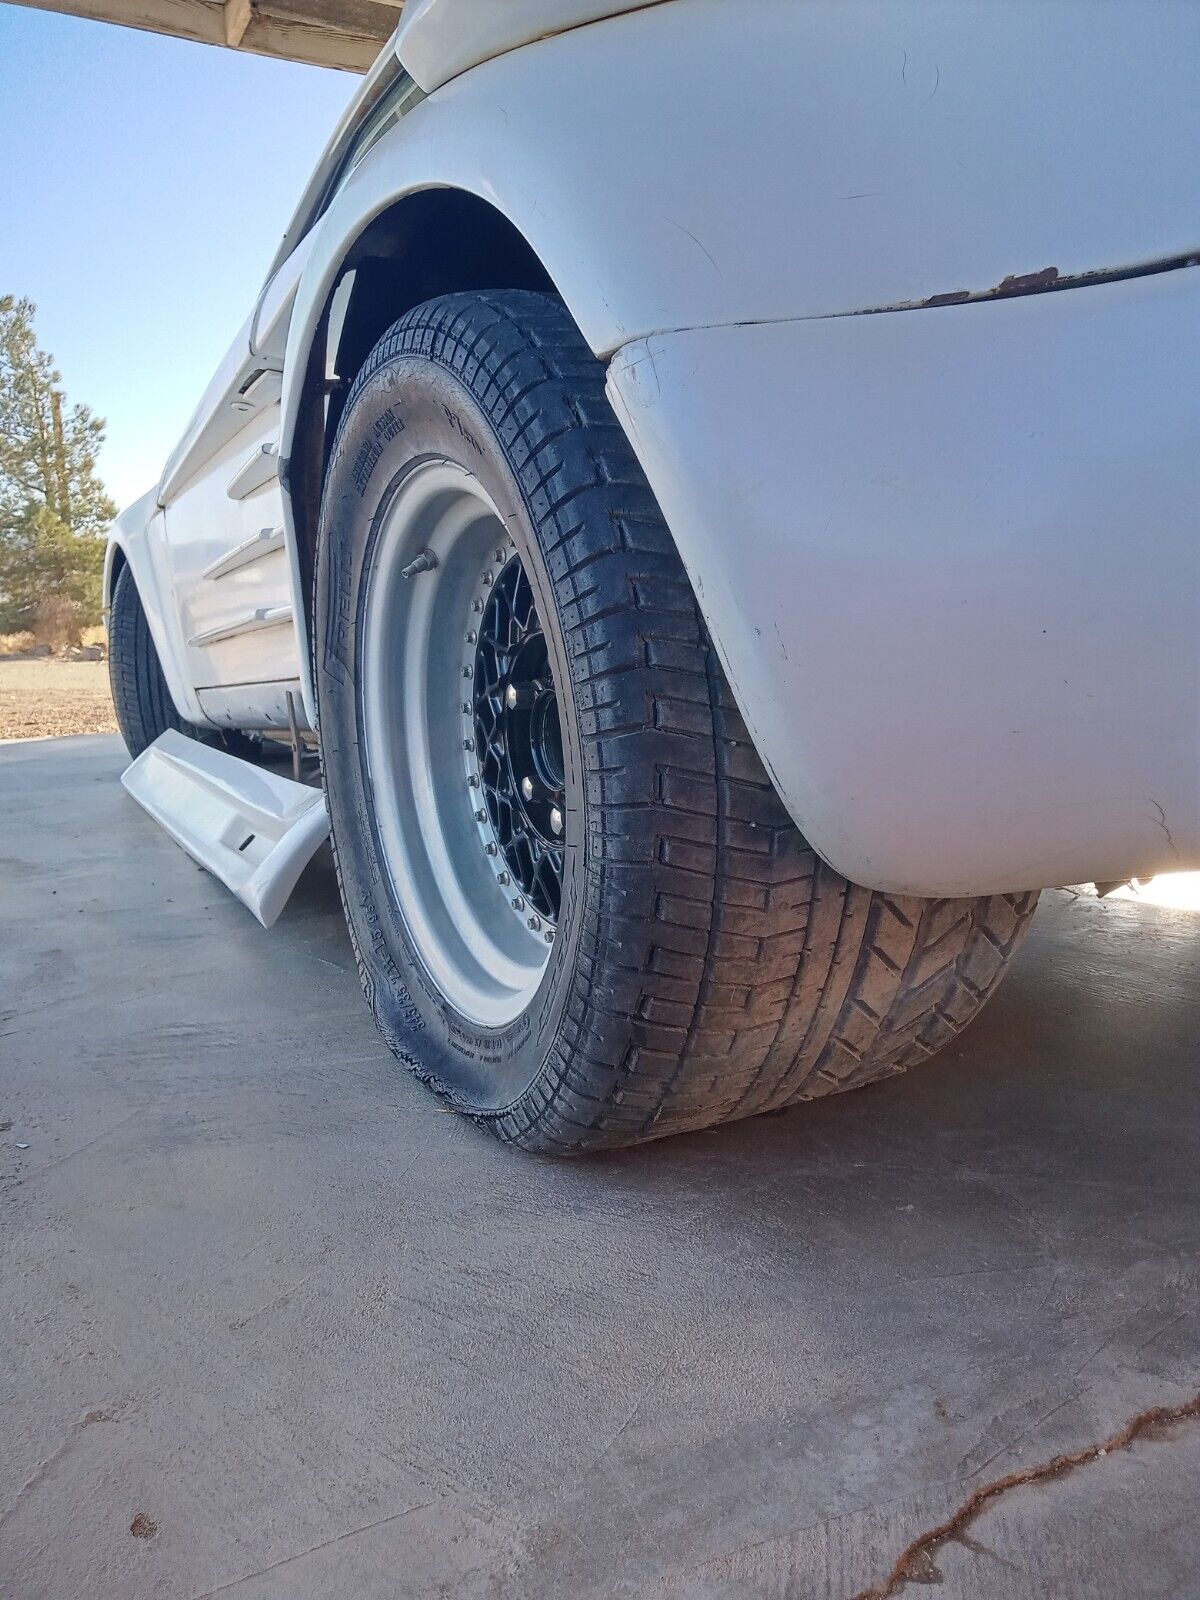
x=223 y=611
x=138 y=539
x=764 y=174
x=703 y=162
x=438 y=39
x=951 y=562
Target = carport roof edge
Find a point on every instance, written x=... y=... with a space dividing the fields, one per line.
x=345 y=34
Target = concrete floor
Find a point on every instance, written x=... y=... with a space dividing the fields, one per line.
x=267 y=1305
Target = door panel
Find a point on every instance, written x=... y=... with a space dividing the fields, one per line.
x=229 y=567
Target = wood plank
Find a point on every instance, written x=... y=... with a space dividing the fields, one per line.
x=237 y=20
x=294 y=41
x=209 y=22
x=200 y=20
x=356 y=19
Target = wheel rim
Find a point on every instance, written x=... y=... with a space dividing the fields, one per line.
x=518 y=740
x=464 y=775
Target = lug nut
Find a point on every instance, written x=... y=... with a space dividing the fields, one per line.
x=549 y=936
x=473 y=781
x=527 y=788
x=487 y=578
x=499 y=555
x=476 y=605
x=468 y=744
x=491 y=848
x=555 y=819
x=471 y=635
x=503 y=878
x=518 y=903
x=518 y=694
x=535 y=924
x=468 y=672
x=481 y=816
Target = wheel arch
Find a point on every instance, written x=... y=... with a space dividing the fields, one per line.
x=429 y=242
x=134 y=542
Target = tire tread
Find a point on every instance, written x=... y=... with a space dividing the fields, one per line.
x=724 y=970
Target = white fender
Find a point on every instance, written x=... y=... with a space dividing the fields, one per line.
x=705 y=163
x=138 y=535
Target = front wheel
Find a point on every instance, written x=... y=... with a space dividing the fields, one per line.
x=580 y=911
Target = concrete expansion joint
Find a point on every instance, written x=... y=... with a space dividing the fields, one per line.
x=915 y=1563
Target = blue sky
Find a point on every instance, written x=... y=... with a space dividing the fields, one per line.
x=145 y=185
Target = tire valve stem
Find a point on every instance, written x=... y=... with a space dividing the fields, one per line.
x=425 y=562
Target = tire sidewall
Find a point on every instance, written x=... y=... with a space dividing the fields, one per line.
x=409 y=411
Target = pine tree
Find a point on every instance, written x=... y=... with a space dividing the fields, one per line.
x=53 y=507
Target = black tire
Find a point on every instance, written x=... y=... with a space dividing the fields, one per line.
x=140 y=695
x=707 y=964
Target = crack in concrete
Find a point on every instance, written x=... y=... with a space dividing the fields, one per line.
x=915 y=1562
x=312 y=1550
x=1161 y=822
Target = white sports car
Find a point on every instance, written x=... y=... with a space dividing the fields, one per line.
x=722 y=478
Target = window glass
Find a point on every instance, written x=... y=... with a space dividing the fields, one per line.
x=395 y=102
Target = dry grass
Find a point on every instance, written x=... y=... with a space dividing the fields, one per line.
x=43 y=698
x=19 y=644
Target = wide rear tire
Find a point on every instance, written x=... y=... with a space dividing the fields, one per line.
x=699 y=962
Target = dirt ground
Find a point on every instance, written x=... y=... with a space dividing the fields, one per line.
x=42 y=697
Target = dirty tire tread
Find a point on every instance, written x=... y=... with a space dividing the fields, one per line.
x=723 y=969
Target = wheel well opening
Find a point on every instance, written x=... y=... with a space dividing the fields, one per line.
x=440 y=241
x=118 y=562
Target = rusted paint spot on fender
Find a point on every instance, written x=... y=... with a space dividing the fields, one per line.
x=1028 y=282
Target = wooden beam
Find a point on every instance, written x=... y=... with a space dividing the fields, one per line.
x=351 y=49
x=357 y=19
x=200 y=20
x=237 y=20
x=319 y=47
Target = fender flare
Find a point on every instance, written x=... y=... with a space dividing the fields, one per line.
x=133 y=541
x=636 y=157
